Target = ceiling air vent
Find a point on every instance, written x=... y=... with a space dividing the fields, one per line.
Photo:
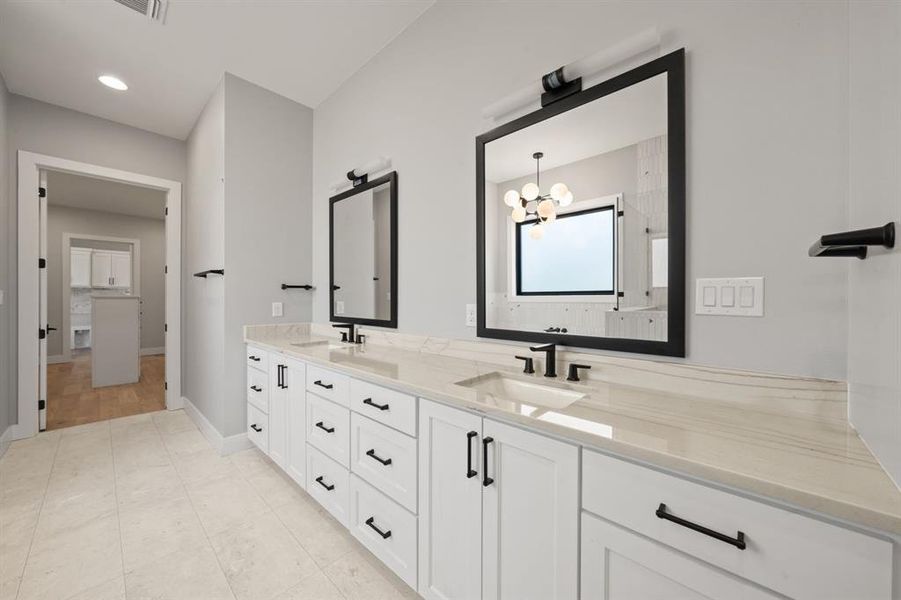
x=152 y=9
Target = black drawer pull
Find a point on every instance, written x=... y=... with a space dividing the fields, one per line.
x=385 y=534
x=378 y=406
x=256 y=428
x=323 y=484
x=384 y=461
x=486 y=481
x=470 y=472
x=327 y=386
x=256 y=388
x=738 y=541
x=254 y=358
x=324 y=428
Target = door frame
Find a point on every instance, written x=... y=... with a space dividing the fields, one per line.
x=65 y=354
x=30 y=164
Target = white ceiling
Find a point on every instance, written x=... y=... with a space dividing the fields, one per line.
x=53 y=50
x=621 y=119
x=77 y=191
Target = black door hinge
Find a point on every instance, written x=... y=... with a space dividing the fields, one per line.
x=621 y=294
x=166 y=385
x=42 y=192
x=41 y=334
x=165 y=268
x=42 y=404
x=165 y=327
x=167 y=211
x=42 y=263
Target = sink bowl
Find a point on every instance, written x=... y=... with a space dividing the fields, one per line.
x=328 y=344
x=522 y=391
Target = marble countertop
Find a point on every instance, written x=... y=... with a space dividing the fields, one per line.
x=799 y=449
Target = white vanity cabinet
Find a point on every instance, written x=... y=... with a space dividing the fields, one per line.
x=499 y=509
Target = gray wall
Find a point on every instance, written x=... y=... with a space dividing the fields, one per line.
x=874 y=350
x=767 y=152
x=8 y=408
x=268 y=170
x=152 y=235
x=48 y=129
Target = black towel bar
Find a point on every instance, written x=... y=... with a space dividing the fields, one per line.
x=210 y=272
x=854 y=243
x=288 y=286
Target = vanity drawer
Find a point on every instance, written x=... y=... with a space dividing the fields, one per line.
x=392 y=408
x=258 y=428
x=328 y=428
x=789 y=553
x=328 y=384
x=258 y=389
x=329 y=483
x=371 y=446
x=258 y=358
x=386 y=529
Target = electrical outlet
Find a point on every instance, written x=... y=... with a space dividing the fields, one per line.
x=470 y=315
x=278 y=309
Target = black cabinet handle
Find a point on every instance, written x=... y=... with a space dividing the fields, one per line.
x=323 y=484
x=470 y=472
x=324 y=428
x=282 y=369
x=256 y=428
x=374 y=405
x=384 y=461
x=738 y=541
x=486 y=481
x=254 y=358
x=385 y=534
x=256 y=388
x=278 y=372
x=327 y=386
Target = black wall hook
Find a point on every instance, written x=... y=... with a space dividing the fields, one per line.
x=210 y=272
x=854 y=243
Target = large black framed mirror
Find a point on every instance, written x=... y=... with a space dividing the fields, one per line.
x=363 y=253
x=580 y=215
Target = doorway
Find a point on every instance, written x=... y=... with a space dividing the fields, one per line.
x=161 y=364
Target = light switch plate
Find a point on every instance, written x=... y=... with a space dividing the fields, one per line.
x=470 y=315
x=735 y=296
x=278 y=309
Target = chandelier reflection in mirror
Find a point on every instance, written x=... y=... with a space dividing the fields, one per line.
x=532 y=202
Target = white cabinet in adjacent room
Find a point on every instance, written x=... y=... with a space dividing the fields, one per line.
x=121 y=269
x=80 y=267
x=110 y=269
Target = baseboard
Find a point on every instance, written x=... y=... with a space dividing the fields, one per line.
x=56 y=359
x=223 y=445
x=153 y=351
x=7 y=438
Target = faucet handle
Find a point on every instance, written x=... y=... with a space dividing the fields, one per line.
x=343 y=336
x=529 y=366
x=361 y=337
x=573 y=373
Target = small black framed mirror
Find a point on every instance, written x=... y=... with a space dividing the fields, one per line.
x=580 y=216
x=363 y=253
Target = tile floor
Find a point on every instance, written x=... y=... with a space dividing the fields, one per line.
x=142 y=507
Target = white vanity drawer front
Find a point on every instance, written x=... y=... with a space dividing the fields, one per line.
x=328 y=428
x=258 y=428
x=329 y=483
x=328 y=384
x=258 y=389
x=258 y=358
x=386 y=529
x=392 y=408
x=794 y=555
x=371 y=446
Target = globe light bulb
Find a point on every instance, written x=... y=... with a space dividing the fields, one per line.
x=511 y=198
x=530 y=191
x=551 y=217
x=558 y=191
x=519 y=214
x=567 y=199
x=545 y=208
x=536 y=232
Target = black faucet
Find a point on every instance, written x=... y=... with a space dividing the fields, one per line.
x=346 y=336
x=550 y=362
x=573 y=373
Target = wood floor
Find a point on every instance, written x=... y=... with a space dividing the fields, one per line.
x=72 y=401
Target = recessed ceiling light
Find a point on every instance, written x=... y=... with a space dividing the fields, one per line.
x=113 y=82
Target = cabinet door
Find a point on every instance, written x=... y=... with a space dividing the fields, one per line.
x=530 y=507
x=121 y=269
x=296 y=459
x=450 y=508
x=101 y=269
x=80 y=268
x=278 y=411
x=620 y=565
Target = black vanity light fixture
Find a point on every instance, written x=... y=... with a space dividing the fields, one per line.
x=854 y=243
x=530 y=201
x=360 y=175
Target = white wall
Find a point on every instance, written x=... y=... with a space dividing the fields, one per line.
x=47 y=129
x=874 y=350
x=767 y=102
x=8 y=407
x=152 y=235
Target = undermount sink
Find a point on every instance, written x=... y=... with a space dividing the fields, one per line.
x=521 y=391
x=330 y=345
